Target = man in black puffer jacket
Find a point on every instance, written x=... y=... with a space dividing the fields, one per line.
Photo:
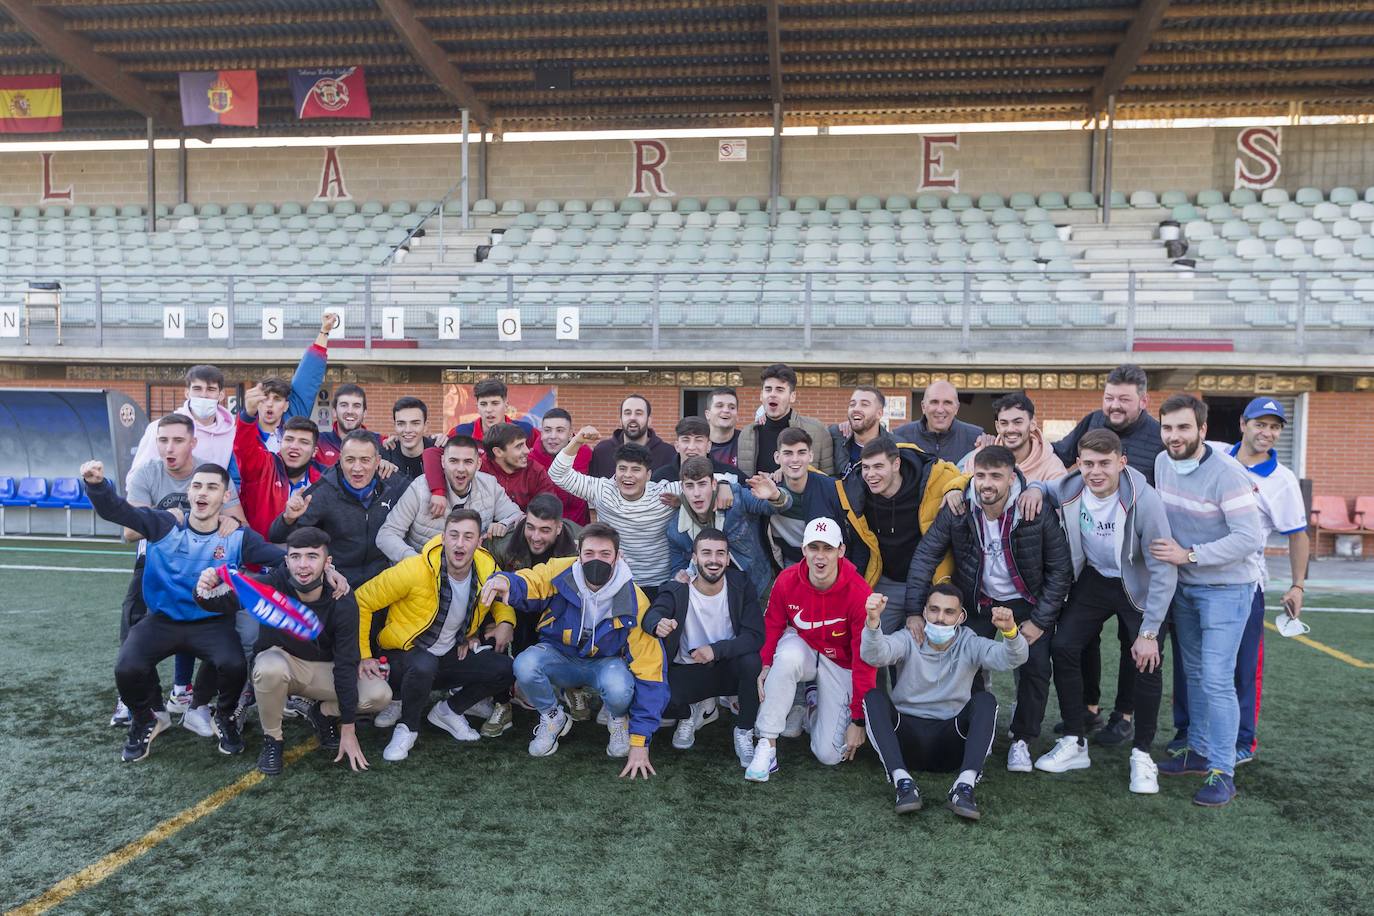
x=349 y=502
x=1001 y=559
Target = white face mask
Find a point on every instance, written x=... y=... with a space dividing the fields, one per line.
x=1186 y=466
x=940 y=634
x=203 y=407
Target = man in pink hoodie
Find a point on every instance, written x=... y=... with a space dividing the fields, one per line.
x=214 y=424
x=1018 y=431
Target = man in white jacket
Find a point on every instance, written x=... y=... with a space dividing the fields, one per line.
x=933 y=719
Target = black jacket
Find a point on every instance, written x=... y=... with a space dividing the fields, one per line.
x=661 y=454
x=352 y=528
x=745 y=615
x=511 y=551
x=1140 y=441
x=337 y=642
x=673 y=472
x=951 y=445
x=1039 y=556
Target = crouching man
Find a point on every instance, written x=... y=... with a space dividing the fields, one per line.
x=933 y=720
x=323 y=670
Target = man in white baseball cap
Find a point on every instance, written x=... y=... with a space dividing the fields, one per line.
x=815 y=619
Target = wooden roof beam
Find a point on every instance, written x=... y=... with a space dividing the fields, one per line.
x=1128 y=53
x=434 y=59
x=76 y=53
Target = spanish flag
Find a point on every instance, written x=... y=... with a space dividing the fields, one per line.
x=31 y=104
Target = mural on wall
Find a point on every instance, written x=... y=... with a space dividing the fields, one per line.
x=650 y=158
x=527 y=402
x=1258 y=162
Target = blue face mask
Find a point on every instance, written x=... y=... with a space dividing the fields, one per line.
x=940 y=634
x=1185 y=467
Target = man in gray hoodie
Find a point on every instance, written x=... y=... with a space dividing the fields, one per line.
x=932 y=719
x=1110 y=516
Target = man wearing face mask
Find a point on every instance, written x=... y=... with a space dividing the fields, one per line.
x=635 y=413
x=323 y=670
x=1001 y=558
x=712 y=630
x=349 y=502
x=442 y=631
x=932 y=719
x=214 y=424
x=698 y=512
x=863 y=424
x=1017 y=430
x=1216 y=544
x=590 y=635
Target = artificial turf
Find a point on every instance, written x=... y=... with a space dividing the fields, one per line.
x=487 y=829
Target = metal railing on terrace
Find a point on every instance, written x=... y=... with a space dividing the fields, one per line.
x=897 y=308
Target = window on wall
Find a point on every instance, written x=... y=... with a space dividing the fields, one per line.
x=694 y=402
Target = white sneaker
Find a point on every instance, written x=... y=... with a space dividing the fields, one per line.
x=705 y=712
x=1018 y=758
x=482 y=709
x=603 y=716
x=121 y=716
x=1068 y=753
x=456 y=724
x=1144 y=773
x=796 y=720
x=619 y=745
x=402 y=740
x=685 y=735
x=388 y=716
x=744 y=745
x=297 y=708
x=763 y=763
x=197 y=719
x=730 y=703
x=180 y=700
x=551 y=727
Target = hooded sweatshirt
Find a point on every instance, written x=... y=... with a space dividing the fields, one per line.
x=597 y=605
x=1041 y=463
x=829 y=621
x=937 y=683
x=214 y=440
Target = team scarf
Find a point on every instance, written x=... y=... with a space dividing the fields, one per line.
x=272 y=607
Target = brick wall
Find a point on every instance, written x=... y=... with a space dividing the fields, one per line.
x=1187 y=159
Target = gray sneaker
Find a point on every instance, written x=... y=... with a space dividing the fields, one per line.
x=551 y=727
x=619 y=745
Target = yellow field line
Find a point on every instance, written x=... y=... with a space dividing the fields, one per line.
x=1323 y=647
x=93 y=874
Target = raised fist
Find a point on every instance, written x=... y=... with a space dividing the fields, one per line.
x=1002 y=618
x=93 y=472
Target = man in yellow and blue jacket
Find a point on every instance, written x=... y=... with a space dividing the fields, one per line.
x=439 y=634
x=589 y=632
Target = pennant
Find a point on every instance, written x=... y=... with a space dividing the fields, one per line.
x=272 y=607
x=31 y=104
x=220 y=97
x=330 y=92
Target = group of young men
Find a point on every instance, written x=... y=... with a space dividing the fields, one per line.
x=842 y=581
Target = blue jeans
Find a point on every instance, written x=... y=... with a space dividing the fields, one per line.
x=541 y=668
x=1249 y=679
x=1209 y=621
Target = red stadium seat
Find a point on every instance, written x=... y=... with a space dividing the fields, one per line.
x=1364 y=512
x=1329 y=513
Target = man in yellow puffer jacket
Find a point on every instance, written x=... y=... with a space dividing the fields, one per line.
x=439 y=635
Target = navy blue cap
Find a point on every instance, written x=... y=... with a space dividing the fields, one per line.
x=1265 y=407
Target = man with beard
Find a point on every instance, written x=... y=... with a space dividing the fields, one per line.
x=1017 y=430
x=323 y=669
x=863 y=423
x=699 y=511
x=268 y=479
x=554 y=432
x=1001 y=558
x=758 y=442
x=590 y=635
x=544 y=535
x=1216 y=545
x=414 y=519
x=722 y=410
x=635 y=412
x=712 y=630
x=349 y=502
x=940 y=431
x=439 y=634
x=350 y=413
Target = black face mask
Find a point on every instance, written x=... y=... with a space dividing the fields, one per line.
x=308 y=586
x=597 y=572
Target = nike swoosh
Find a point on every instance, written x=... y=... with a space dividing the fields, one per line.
x=807 y=625
x=840 y=635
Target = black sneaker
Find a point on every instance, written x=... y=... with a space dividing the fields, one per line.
x=227 y=730
x=269 y=761
x=908 y=797
x=247 y=701
x=326 y=727
x=143 y=728
x=1116 y=731
x=1092 y=721
x=961 y=801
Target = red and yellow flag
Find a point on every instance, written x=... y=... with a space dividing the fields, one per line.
x=31 y=104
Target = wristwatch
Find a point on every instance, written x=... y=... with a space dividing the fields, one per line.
x=1148 y=634
x=1192 y=556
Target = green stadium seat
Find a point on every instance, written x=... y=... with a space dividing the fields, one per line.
x=660 y=205
x=1052 y=200
x=1241 y=197
x=1209 y=198
x=991 y=201
x=1144 y=200
x=958 y=202
x=1274 y=197
x=1308 y=197
x=929 y=202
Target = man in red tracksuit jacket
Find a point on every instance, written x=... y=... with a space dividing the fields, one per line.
x=815 y=621
x=267 y=481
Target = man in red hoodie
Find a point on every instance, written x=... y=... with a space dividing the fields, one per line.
x=507 y=458
x=815 y=620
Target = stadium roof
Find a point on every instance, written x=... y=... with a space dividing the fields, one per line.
x=704 y=63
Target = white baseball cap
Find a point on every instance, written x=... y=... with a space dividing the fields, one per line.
x=825 y=530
